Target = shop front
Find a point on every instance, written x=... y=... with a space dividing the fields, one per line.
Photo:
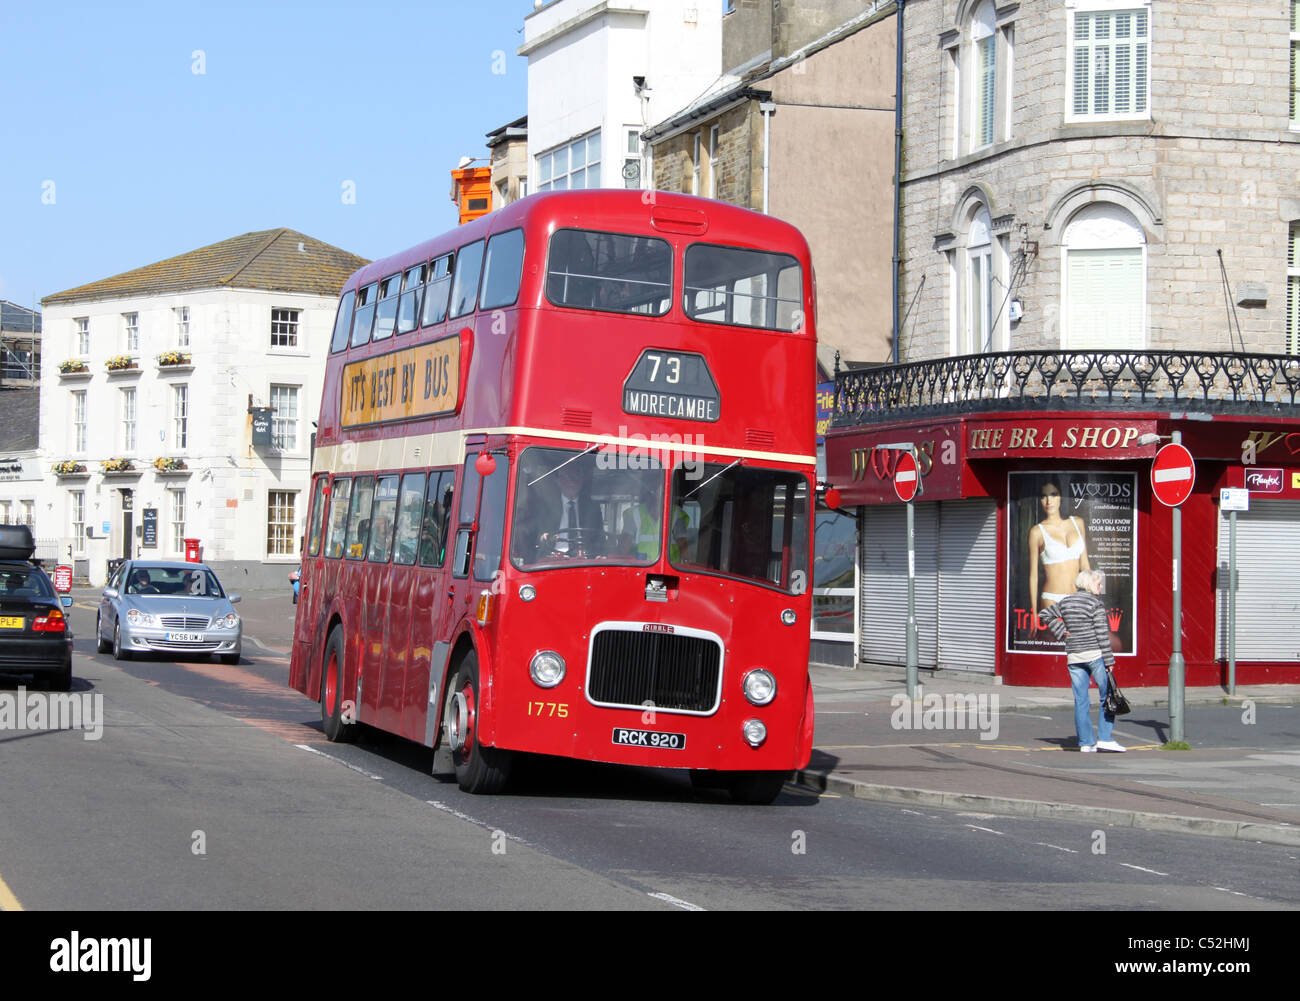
x=1017 y=500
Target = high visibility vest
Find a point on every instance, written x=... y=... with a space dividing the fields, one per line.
x=647 y=532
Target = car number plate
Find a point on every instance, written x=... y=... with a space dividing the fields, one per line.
x=184 y=637
x=12 y=621
x=650 y=738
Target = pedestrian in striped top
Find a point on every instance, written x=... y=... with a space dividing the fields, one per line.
x=1079 y=620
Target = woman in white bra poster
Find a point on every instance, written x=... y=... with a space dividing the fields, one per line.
x=1061 y=522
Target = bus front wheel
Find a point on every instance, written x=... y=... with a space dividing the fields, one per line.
x=479 y=769
x=756 y=788
x=337 y=724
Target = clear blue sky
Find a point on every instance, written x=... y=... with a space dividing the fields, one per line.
x=144 y=158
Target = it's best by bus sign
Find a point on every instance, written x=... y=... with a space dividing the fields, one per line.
x=419 y=381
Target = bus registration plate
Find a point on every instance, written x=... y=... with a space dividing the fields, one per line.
x=650 y=738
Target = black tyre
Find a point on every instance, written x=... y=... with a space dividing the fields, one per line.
x=756 y=788
x=118 y=652
x=101 y=645
x=479 y=769
x=230 y=658
x=61 y=682
x=337 y=729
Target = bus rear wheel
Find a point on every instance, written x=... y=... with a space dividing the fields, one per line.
x=337 y=729
x=479 y=769
x=756 y=788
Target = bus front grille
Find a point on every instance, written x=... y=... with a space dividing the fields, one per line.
x=635 y=668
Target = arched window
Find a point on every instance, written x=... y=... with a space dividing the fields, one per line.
x=980 y=51
x=978 y=273
x=1104 y=280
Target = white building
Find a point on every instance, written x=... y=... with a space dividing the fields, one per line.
x=152 y=382
x=600 y=72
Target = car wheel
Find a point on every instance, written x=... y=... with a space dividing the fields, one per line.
x=61 y=682
x=230 y=658
x=479 y=769
x=337 y=729
x=756 y=788
x=101 y=645
x=118 y=652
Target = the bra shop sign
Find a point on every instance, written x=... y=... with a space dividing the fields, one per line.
x=1079 y=438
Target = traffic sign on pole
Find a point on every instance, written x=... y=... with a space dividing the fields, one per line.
x=907 y=477
x=1173 y=474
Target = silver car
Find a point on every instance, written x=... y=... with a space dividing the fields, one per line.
x=152 y=607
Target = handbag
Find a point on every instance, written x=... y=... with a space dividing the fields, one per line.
x=1116 y=704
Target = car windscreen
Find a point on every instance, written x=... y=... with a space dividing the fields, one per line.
x=198 y=582
x=24 y=582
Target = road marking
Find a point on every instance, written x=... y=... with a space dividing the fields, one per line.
x=8 y=902
x=990 y=830
x=683 y=904
x=479 y=823
x=1140 y=869
x=1044 y=844
x=345 y=764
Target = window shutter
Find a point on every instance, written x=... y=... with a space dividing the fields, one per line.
x=988 y=87
x=1104 y=301
x=1293 y=292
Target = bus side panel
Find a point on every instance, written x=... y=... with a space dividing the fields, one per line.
x=424 y=620
x=374 y=611
x=395 y=646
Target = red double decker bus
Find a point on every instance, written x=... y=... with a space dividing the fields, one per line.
x=561 y=495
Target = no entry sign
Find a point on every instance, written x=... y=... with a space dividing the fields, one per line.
x=907 y=477
x=1173 y=474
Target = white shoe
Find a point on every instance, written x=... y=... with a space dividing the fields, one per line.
x=1089 y=748
x=1109 y=745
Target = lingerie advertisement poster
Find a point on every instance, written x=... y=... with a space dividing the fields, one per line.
x=1059 y=523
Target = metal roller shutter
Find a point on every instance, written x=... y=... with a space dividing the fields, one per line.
x=1268 y=591
x=883 y=600
x=968 y=562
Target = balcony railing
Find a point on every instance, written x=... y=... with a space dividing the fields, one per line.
x=1216 y=382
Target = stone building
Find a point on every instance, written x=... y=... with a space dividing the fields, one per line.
x=152 y=383
x=1099 y=215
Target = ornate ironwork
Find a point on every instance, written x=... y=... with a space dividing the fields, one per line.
x=1216 y=382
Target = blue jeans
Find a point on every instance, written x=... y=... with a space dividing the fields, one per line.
x=1079 y=676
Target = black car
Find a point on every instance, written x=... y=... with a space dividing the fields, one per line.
x=35 y=636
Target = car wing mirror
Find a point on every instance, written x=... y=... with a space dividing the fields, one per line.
x=233 y=598
x=65 y=601
x=111 y=592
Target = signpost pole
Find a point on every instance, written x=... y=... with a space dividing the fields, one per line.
x=911 y=601
x=1176 y=663
x=1232 y=602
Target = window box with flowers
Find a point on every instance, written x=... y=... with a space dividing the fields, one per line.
x=119 y=467
x=176 y=361
x=121 y=364
x=170 y=466
x=74 y=368
x=70 y=467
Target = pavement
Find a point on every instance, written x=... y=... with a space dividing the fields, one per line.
x=1012 y=750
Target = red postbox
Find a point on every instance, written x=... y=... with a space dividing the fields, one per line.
x=192 y=551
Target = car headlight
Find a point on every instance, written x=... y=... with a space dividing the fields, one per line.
x=135 y=617
x=760 y=687
x=230 y=621
x=547 y=668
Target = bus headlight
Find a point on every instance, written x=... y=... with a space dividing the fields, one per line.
x=760 y=687
x=547 y=668
x=527 y=592
x=755 y=732
x=788 y=617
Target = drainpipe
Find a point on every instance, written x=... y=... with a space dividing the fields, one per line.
x=766 y=107
x=898 y=170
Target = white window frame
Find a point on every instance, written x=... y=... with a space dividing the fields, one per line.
x=28 y=513
x=79 y=420
x=1122 y=233
x=176 y=519
x=1292 y=343
x=547 y=178
x=131 y=332
x=281 y=533
x=129 y=407
x=4 y=513
x=77 y=520
x=285 y=326
x=83 y=335
x=981 y=259
x=284 y=425
x=697 y=158
x=713 y=161
x=1112 y=7
x=180 y=416
x=980 y=119
x=182 y=315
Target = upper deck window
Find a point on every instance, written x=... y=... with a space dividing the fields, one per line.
x=745 y=288
x=365 y=314
x=408 y=309
x=610 y=271
x=435 y=297
x=464 y=286
x=386 y=313
x=342 y=322
x=502 y=270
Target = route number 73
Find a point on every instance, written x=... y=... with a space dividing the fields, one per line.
x=672 y=364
